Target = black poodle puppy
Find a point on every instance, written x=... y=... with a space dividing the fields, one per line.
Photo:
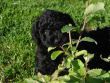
x=46 y=32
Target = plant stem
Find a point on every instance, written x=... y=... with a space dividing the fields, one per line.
x=82 y=31
x=70 y=39
x=70 y=42
x=87 y=4
x=63 y=49
x=86 y=72
x=83 y=28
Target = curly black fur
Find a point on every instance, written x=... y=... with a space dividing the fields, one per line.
x=46 y=32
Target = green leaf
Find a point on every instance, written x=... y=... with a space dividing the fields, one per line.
x=79 y=53
x=66 y=28
x=55 y=54
x=92 y=8
x=81 y=71
x=78 y=68
x=69 y=79
x=73 y=42
x=95 y=72
x=57 y=81
x=73 y=48
x=88 y=39
x=98 y=73
x=94 y=80
x=68 y=53
x=65 y=77
x=105 y=59
x=76 y=29
x=51 y=48
x=68 y=61
x=30 y=80
x=88 y=57
x=47 y=78
x=68 y=64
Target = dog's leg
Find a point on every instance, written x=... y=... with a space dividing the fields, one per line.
x=44 y=64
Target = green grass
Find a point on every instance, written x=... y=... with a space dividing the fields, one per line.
x=17 y=50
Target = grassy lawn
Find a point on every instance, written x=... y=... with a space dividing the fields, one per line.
x=17 y=50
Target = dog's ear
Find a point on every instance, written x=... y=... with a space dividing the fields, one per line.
x=35 y=32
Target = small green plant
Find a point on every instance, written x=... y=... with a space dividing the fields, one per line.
x=78 y=71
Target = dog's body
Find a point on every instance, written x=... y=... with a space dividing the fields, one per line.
x=102 y=36
x=46 y=32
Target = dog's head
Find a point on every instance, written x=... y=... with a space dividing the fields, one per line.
x=48 y=28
